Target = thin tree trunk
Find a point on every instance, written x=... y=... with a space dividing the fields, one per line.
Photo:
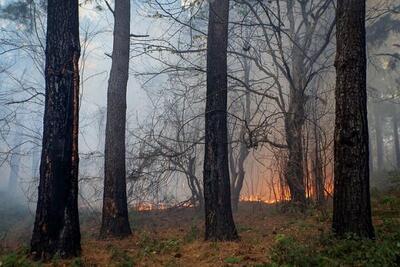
x=15 y=162
x=351 y=200
x=379 y=140
x=35 y=162
x=318 y=169
x=56 y=229
x=115 y=222
x=237 y=183
x=219 y=224
x=396 y=139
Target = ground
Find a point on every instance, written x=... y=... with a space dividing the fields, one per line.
x=268 y=237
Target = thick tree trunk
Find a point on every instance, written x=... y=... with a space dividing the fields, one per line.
x=56 y=229
x=115 y=222
x=294 y=172
x=219 y=224
x=351 y=203
x=379 y=140
x=396 y=139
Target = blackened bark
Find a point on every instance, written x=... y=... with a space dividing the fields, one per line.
x=56 y=229
x=219 y=224
x=115 y=222
x=395 y=121
x=351 y=200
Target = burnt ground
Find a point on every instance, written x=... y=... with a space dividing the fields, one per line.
x=174 y=237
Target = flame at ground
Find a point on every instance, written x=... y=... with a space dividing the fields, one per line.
x=258 y=198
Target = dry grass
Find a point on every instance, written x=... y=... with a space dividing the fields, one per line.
x=175 y=237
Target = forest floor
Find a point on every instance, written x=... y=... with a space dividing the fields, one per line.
x=268 y=237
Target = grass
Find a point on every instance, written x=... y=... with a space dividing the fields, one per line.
x=268 y=238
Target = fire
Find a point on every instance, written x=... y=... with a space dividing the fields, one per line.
x=257 y=198
x=147 y=206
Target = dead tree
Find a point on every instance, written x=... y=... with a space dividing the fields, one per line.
x=219 y=224
x=56 y=229
x=115 y=222
x=351 y=200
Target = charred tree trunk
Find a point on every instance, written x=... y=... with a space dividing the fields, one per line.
x=115 y=222
x=351 y=200
x=219 y=224
x=56 y=229
x=396 y=139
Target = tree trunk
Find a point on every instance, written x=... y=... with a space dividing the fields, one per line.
x=115 y=222
x=294 y=169
x=351 y=200
x=379 y=140
x=371 y=155
x=15 y=162
x=56 y=229
x=194 y=185
x=240 y=174
x=35 y=163
x=396 y=139
x=219 y=224
x=318 y=169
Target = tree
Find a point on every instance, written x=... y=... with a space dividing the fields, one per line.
x=395 y=121
x=115 y=220
x=351 y=203
x=56 y=229
x=219 y=224
x=15 y=162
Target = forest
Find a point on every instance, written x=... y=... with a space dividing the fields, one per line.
x=256 y=133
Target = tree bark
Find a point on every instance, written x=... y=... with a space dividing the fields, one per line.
x=115 y=221
x=219 y=224
x=56 y=229
x=351 y=201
